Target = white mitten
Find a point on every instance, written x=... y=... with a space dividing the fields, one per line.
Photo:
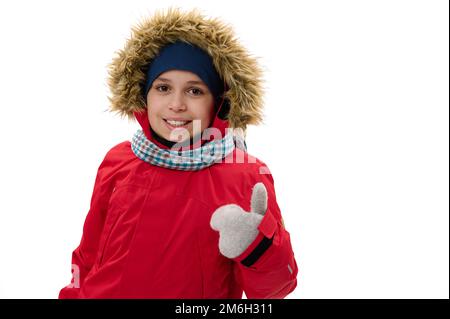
x=238 y=228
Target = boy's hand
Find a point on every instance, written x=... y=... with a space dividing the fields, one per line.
x=238 y=228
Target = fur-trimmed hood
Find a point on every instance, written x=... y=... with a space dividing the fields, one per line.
x=240 y=71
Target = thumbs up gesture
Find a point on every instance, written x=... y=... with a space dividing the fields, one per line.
x=238 y=228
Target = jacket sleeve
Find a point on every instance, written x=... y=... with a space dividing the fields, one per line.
x=267 y=268
x=84 y=255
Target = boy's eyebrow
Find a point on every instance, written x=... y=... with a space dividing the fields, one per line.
x=196 y=82
x=190 y=82
x=163 y=79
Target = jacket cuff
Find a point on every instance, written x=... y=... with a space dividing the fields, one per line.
x=262 y=242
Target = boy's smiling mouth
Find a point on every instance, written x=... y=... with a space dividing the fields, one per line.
x=177 y=123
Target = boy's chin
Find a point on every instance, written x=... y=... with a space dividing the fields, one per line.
x=178 y=138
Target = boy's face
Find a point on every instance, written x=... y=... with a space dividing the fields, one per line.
x=175 y=99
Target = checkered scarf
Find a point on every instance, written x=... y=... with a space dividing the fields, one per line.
x=187 y=160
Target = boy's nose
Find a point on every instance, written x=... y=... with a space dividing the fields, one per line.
x=177 y=104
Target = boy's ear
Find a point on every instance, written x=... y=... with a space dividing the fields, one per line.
x=224 y=110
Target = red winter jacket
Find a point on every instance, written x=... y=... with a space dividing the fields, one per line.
x=147 y=234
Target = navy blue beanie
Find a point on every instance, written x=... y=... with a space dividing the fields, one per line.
x=184 y=56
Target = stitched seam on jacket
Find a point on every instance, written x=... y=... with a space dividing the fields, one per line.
x=136 y=227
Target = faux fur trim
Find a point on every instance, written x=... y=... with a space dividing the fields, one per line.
x=240 y=71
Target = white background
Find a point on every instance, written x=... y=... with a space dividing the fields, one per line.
x=356 y=135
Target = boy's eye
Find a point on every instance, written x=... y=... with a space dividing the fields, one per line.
x=162 y=88
x=196 y=91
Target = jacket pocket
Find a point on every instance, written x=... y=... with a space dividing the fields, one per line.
x=107 y=238
x=115 y=210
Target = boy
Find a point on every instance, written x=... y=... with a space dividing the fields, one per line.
x=183 y=211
